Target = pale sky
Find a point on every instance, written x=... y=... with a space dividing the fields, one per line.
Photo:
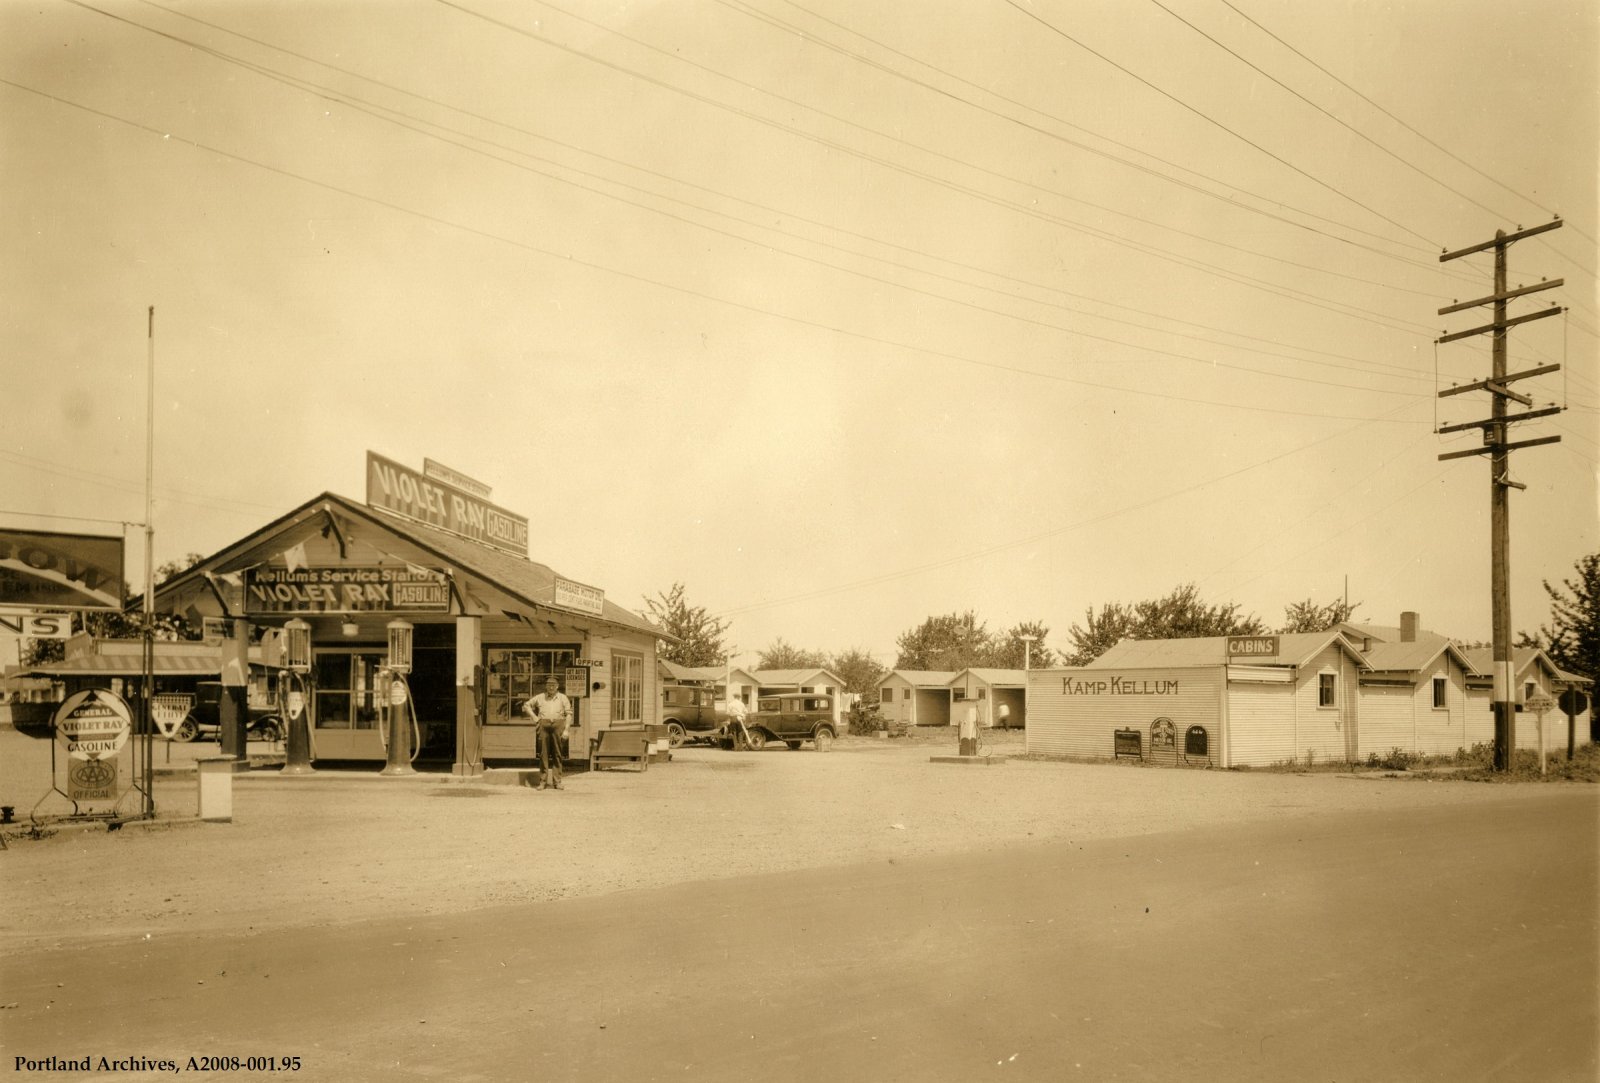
x=842 y=315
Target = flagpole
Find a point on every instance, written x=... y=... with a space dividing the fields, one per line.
x=148 y=689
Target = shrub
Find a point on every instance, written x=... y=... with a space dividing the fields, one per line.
x=1397 y=759
x=864 y=719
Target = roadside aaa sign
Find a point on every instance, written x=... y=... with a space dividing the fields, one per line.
x=92 y=724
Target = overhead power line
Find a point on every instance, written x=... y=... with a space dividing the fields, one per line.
x=1358 y=133
x=389 y=115
x=567 y=259
x=1216 y=123
x=1414 y=131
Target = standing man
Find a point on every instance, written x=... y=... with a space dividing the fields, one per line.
x=550 y=710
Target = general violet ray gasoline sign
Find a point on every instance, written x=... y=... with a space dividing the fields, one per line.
x=92 y=724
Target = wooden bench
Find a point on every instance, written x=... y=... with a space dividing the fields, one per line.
x=619 y=746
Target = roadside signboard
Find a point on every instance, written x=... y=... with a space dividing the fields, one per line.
x=169 y=710
x=92 y=780
x=1539 y=703
x=92 y=724
x=1573 y=701
x=42 y=570
x=577 y=682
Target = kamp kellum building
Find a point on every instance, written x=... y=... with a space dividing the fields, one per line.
x=1235 y=701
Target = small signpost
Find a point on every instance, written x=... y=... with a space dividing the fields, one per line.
x=91 y=728
x=1541 y=705
x=1573 y=703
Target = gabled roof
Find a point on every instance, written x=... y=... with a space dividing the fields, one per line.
x=1522 y=658
x=1294 y=649
x=1390 y=654
x=921 y=678
x=525 y=581
x=1015 y=677
x=700 y=674
x=794 y=676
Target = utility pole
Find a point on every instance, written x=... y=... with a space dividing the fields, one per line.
x=1498 y=447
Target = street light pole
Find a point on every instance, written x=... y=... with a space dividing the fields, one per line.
x=1027 y=658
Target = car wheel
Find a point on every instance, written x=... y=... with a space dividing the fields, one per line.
x=758 y=740
x=676 y=734
x=823 y=739
x=269 y=729
x=187 y=730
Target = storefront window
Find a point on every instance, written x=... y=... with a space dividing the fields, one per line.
x=346 y=689
x=627 y=688
x=517 y=674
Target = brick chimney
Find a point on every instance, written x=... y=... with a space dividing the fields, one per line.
x=1408 y=627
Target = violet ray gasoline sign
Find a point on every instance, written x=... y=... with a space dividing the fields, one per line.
x=415 y=496
x=349 y=588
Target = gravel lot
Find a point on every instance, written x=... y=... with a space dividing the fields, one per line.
x=346 y=846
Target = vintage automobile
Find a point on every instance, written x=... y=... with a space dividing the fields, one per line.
x=793 y=718
x=691 y=713
x=263 y=722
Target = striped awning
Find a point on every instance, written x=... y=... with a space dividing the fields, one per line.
x=200 y=664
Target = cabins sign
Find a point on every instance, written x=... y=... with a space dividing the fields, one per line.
x=350 y=588
x=415 y=496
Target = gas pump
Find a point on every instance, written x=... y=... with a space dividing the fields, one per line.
x=298 y=748
x=967 y=742
x=401 y=743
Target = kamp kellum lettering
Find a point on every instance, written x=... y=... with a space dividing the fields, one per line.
x=1119 y=686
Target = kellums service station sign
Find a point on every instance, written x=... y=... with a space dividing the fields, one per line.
x=415 y=496
x=374 y=588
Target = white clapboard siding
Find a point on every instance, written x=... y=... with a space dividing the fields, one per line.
x=1075 y=712
x=1260 y=723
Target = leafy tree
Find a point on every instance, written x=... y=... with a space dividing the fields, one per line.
x=1182 y=614
x=1572 y=638
x=1008 y=651
x=1099 y=633
x=953 y=641
x=781 y=655
x=1308 y=616
x=698 y=633
x=859 y=670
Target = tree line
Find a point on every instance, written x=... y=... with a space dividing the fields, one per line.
x=956 y=641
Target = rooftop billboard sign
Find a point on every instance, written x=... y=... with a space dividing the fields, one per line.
x=415 y=496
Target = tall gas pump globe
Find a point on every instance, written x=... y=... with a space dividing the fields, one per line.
x=399 y=660
x=297 y=646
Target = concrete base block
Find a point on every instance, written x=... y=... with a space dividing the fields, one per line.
x=978 y=761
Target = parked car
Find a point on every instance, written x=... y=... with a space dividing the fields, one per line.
x=263 y=723
x=793 y=718
x=691 y=713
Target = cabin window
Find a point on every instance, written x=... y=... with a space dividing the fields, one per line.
x=1440 y=687
x=888 y=695
x=905 y=693
x=1326 y=690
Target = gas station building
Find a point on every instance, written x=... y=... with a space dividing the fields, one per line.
x=419 y=608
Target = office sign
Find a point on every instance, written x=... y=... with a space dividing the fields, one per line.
x=41 y=570
x=350 y=588
x=1252 y=646
x=422 y=499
